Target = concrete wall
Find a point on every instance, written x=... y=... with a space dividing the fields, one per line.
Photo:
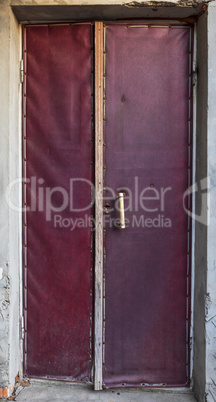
x=211 y=231
x=200 y=227
x=9 y=221
x=128 y=3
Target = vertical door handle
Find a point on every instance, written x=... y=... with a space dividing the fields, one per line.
x=122 y=211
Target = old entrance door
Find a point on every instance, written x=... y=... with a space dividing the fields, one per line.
x=147 y=168
x=57 y=170
x=147 y=163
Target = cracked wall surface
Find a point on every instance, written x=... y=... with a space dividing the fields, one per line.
x=4 y=213
x=66 y=9
x=4 y=329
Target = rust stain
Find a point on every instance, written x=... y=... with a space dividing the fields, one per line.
x=12 y=398
x=5 y=392
x=25 y=383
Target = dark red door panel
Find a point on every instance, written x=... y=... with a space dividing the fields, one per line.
x=147 y=129
x=57 y=251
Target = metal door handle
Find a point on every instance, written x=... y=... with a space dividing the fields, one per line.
x=121 y=209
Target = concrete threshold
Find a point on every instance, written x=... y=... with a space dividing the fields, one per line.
x=60 y=391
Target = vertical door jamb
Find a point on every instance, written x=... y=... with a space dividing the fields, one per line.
x=98 y=323
x=193 y=222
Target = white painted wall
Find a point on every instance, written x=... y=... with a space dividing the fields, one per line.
x=10 y=163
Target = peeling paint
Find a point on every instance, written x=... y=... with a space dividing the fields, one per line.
x=5 y=296
x=5 y=392
x=179 y=3
x=207 y=304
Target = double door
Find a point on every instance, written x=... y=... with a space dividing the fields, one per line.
x=106 y=241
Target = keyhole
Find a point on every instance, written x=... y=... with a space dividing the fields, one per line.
x=107 y=208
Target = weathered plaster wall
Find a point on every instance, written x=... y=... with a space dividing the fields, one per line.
x=10 y=167
x=9 y=221
x=211 y=233
x=4 y=213
x=128 y=3
x=59 y=10
x=15 y=217
x=200 y=227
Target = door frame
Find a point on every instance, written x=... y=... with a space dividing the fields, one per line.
x=98 y=311
x=98 y=304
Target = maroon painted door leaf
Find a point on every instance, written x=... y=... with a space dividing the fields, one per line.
x=147 y=156
x=57 y=150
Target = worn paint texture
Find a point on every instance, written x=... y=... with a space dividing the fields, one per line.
x=4 y=326
x=137 y=3
x=4 y=213
x=168 y=3
x=9 y=220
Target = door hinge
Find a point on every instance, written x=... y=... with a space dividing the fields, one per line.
x=21 y=71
